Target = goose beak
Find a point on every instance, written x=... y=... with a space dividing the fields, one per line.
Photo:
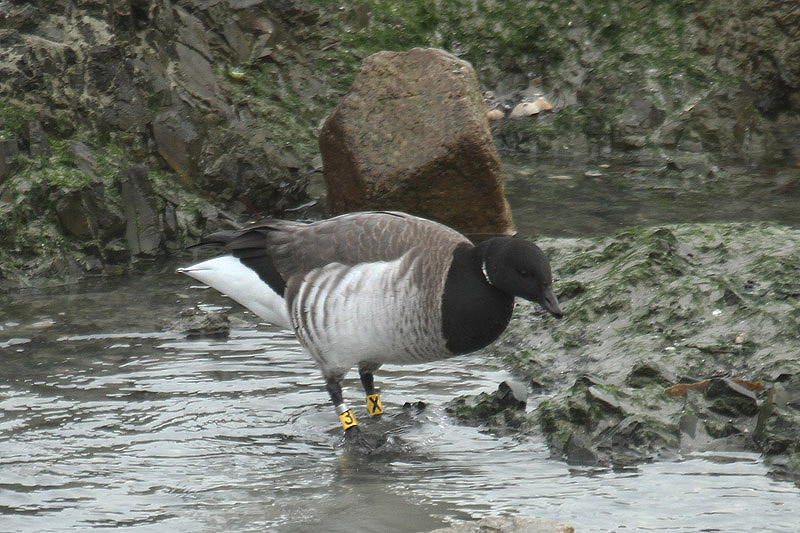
x=550 y=303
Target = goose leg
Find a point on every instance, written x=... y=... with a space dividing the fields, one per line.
x=374 y=406
x=346 y=416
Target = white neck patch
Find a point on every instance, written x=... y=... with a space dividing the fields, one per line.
x=485 y=273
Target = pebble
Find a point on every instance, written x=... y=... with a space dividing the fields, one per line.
x=524 y=109
x=43 y=324
x=236 y=74
x=543 y=104
x=495 y=114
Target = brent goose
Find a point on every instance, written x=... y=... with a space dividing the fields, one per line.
x=376 y=287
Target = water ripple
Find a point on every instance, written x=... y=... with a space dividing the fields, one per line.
x=141 y=429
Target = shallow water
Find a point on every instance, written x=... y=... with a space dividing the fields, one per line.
x=560 y=198
x=110 y=419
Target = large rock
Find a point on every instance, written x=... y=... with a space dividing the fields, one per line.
x=412 y=135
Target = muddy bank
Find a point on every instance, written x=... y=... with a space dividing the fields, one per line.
x=675 y=339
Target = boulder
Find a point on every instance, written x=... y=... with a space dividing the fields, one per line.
x=178 y=141
x=83 y=158
x=197 y=322
x=143 y=220
x=84 y=214
x=412 y=135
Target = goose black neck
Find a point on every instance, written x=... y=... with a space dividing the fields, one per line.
x=474 y=313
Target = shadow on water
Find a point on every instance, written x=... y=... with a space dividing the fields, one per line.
x=109 y=418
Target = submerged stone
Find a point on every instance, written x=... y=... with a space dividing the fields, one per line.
x=507 y=524
x=197 y=322
x=499 y=411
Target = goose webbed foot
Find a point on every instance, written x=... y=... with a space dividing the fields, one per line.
x=418 y=406
x=354 y=439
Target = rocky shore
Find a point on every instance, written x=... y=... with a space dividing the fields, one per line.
x=130 y=128
x=223 y=104
x=675 y=339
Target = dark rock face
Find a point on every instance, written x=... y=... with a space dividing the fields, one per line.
x=84 y=214
x=412 y=135
x=650 y=79
x=91 y=90
x=8 y=158
x=178 y=142
x=143 y=220
x=143 y=74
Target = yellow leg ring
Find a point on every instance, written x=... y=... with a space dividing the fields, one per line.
x=374 y=406
x=348 y=419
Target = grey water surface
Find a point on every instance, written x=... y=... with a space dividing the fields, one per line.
x=559 y=198
x=111 y=419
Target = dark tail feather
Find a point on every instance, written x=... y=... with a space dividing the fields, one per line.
x=254 y=236
x=220 y=238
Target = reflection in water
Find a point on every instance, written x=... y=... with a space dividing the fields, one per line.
x=122 y=423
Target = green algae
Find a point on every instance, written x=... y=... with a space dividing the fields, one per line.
x=647 y=308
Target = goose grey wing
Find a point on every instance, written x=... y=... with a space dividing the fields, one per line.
x=279 y=250
x=356 y=238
